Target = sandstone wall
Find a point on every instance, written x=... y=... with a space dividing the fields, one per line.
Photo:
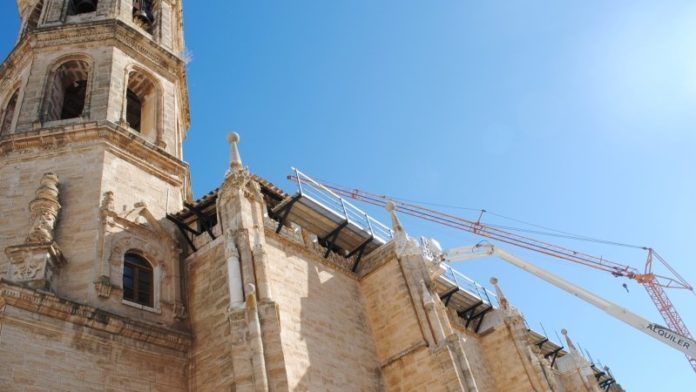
x=325 y=336
x=208 y=299
x=79 y=171
x=42 y=354
x=504 y=361
x=477 y=361
x=407 y=361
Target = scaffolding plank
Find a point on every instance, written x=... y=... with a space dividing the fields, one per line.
x=317 y=218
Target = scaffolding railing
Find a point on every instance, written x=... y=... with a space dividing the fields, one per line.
x=470 y=286
x=310 y=188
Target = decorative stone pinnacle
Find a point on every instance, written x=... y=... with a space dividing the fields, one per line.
x=235 y=158
x=569 y=342
x=44 y=210
x=504 y=303
x=396 y=223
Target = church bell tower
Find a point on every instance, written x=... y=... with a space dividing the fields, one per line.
x=93 y=114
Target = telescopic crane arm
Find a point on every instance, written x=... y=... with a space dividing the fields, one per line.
x=655 y=284
x=662 y=334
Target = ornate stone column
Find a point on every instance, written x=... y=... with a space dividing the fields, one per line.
x=419 y=269
x=36 y=261
x=252 y=313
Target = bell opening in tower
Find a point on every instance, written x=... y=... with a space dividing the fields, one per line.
x=143 y=14
x=141 y=103
x=66 y=97
x=82 y=6
x=134 y=110
x=9 y=113
x=74 y=101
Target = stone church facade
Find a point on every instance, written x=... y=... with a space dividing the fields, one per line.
x=114 y=279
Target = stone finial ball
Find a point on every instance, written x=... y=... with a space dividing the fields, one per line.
x=564 y=331
x=233 y=137
x=494 y=280
x=390 y=206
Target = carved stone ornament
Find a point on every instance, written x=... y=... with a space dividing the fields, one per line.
x=34 y=265
x=103 y=287
x=238 y=176
x=35 y=262
x=108 y=203
x=180 y=312
x=237 y=179
x=253 y=191
x=405 y=246
x=44 y=211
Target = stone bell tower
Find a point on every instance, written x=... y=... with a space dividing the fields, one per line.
x=93 y=114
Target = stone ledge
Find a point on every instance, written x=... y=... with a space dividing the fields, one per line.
x=145 y=154
x=48 y=304
x=312 y=252
x=377 y=259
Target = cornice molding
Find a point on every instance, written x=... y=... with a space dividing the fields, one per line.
x=120 y=141
x=377 y=259
x=50 y=305
x=311 y=251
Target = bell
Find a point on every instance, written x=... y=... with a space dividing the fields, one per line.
x=141 y=12
x=84 y=6
x=142 y=16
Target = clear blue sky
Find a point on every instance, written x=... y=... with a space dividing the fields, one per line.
x=579 y=115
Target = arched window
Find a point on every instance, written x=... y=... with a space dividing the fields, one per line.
x=77 y=7
x=137 y=280
x=141 y=103
x=8 y=114
x=67 y=91
x=144 y=14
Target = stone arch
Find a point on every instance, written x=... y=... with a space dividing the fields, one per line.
x=68 y=86
x=35 y=16
x=136 y=245
x=163 y=286
x=8 y=113
x=143 y=103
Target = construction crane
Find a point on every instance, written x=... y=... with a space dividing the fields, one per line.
x=661 y=334
x=655 y=284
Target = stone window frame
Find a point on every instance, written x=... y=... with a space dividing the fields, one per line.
x=157 y=135
x=136 y=246
x=48 y=80
x=30 y=22
x=139 y=255
x=15 y=90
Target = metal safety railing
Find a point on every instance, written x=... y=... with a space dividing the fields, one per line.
x=331 y=201
x=473 y=288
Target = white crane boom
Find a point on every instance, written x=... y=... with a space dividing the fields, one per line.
x=662 y=334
